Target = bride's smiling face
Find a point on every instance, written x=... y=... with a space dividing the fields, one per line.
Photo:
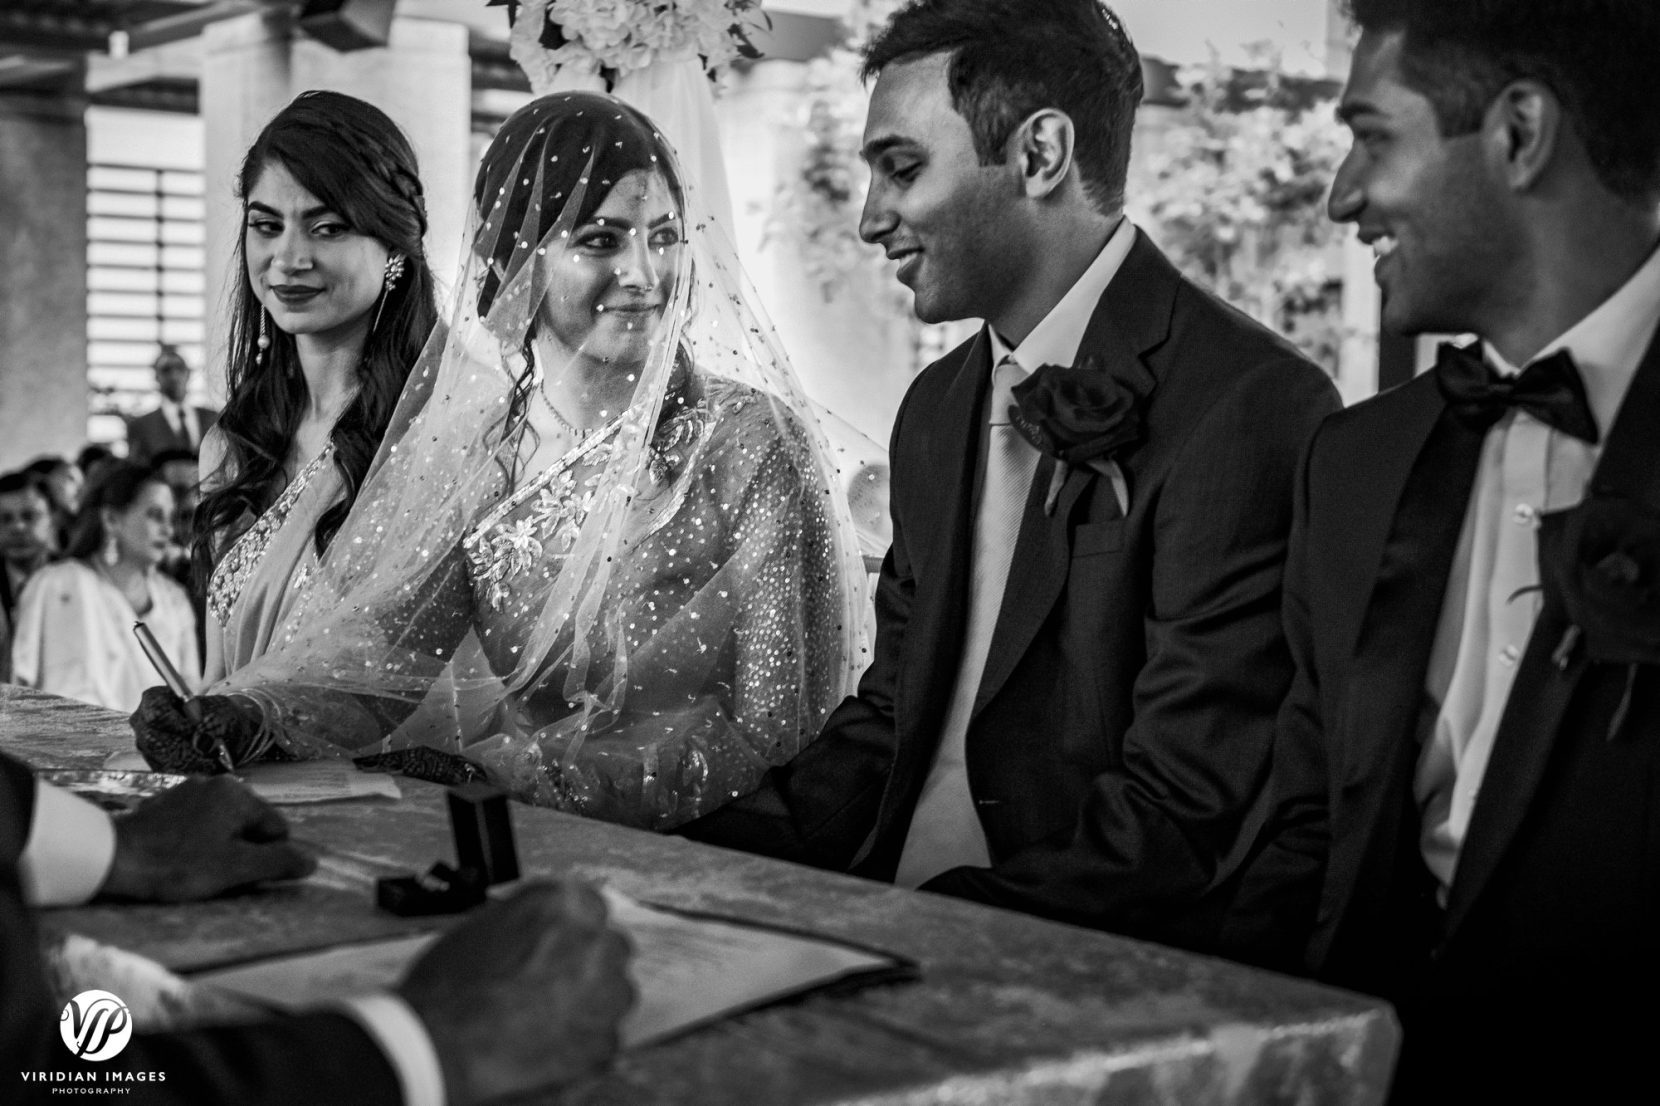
x=608 y=287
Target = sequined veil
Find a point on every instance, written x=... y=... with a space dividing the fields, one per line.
x=631 y=615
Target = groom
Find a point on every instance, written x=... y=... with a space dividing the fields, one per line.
x=1469 y=764
x=1078 y=661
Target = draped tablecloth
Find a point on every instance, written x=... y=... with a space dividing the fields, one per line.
x=1009 y=1009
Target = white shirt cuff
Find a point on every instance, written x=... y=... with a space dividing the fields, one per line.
x=70 y=849
x=403 y=1037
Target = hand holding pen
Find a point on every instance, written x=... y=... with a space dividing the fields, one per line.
x=175 y=683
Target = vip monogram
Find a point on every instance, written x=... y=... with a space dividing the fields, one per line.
x=95 y=1025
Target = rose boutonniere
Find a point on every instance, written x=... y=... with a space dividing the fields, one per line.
x=1601 y=561
x=1079 y=416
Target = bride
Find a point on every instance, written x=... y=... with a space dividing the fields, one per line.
x=603 y=541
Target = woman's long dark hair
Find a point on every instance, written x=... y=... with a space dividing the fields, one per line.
x=355 y=160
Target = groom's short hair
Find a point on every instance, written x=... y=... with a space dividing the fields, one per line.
x=1600 y=57
x=1010 y=58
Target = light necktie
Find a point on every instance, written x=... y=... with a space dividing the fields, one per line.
x=945 y=831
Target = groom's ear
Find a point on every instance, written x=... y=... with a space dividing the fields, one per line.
x=1523 y=131
x=1042 y=147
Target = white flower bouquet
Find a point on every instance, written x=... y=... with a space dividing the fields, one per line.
x=609 y=38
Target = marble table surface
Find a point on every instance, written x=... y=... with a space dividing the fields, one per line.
x=1008 y=1009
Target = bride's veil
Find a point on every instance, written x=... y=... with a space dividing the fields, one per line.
x=706 y=584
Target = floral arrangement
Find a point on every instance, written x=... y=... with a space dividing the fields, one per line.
x=1232 y=186
x=610 y=38
x=818 y=205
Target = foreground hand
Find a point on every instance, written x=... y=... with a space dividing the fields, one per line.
x=172 y=741
x=526 y=993
x=200 y=839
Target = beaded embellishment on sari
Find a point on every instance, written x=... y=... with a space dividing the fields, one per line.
x=499 y=551
x=239 y=563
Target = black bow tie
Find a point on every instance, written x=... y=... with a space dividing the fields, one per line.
x=1549 y=389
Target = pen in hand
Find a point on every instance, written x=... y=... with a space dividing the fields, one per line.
x=175 y=683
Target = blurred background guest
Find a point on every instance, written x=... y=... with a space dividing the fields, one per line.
x=177 y=469
x=73 y=634
x=174 y=424
x=63 y=484
x=27 y=542
x=92 y=460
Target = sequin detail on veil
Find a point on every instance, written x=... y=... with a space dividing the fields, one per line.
x=238 y=564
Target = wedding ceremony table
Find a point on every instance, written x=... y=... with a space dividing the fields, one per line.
x=1008 y=1009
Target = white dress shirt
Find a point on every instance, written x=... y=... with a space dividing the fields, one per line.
x=1526 y=469
x=942 y=838
x=66 y=859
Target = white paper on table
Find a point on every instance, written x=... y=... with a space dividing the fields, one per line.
x=688 y=970
x=300 y=781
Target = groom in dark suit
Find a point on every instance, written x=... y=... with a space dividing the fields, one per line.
x=1471 y=751
x=1078 y=656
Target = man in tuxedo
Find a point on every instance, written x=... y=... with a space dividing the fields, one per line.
x=174 y=424
x=526 y=993
x=1077 y=666
x=1471 y=750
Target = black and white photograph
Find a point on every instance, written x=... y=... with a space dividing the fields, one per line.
x=829 y=552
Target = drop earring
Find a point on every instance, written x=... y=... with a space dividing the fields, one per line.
x=111 y=552
x=263 y=342
x=394 y=270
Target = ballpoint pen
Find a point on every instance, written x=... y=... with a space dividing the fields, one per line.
x=175 y=683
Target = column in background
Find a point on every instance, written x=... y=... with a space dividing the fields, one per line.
x=42 y=275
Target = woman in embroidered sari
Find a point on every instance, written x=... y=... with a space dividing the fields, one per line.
x=337 y=304
x=610 y=513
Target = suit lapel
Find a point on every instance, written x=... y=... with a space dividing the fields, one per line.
x=1534 y=714
x=1376 y=745
x=941 y=547
x=1132 y=317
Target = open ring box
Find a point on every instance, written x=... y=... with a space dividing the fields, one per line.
x=485 y=855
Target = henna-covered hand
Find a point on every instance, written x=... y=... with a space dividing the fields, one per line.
x=172 y=741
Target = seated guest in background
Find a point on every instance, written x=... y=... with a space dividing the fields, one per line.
x=177 y=469
x=525 y=994
x=334 y=302
x=623 y=502
x=63 y=483
x=174 y=424
x=92 y=459
x=1071 y=707
x=1468 y=767
x=27 y=542
x=73 y=633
